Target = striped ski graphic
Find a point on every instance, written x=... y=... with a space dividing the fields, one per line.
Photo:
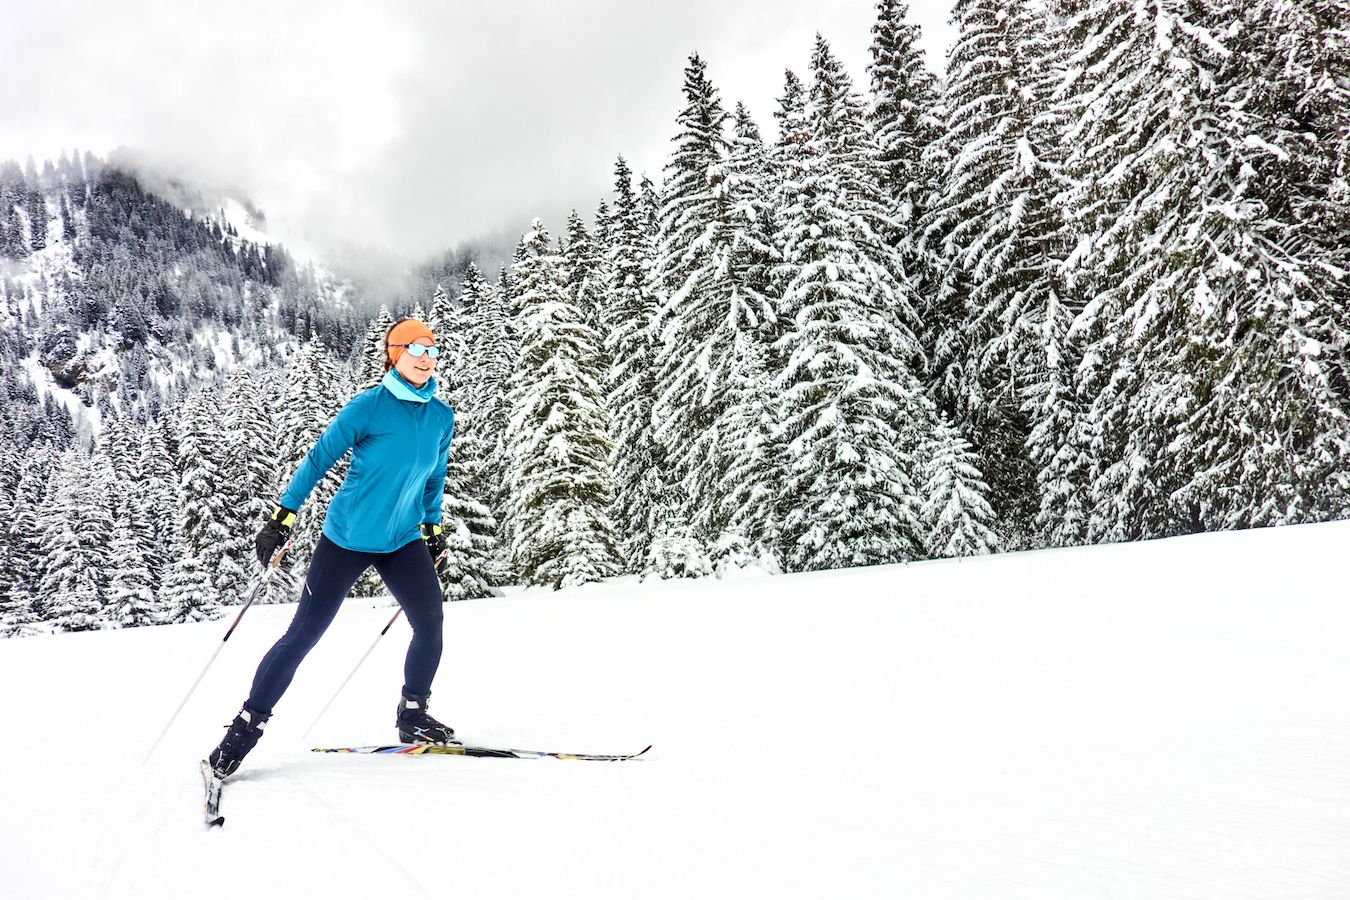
x=470 y=750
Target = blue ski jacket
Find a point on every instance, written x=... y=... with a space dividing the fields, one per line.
x=399 y=436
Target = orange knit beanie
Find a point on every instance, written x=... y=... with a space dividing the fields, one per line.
x=406 y=332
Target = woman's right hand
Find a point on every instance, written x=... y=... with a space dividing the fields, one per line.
x=274 y=534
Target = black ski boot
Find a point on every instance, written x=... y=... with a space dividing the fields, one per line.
x=244 y=732
x=416 y=727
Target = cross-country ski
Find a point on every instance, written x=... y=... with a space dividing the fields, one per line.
x=213 y=784
x=471 y=750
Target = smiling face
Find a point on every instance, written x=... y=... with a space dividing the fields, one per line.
x=416 y=369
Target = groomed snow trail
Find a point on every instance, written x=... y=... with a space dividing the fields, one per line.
x=1151 y=721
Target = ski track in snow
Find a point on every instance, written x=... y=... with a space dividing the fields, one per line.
x=1160 y=720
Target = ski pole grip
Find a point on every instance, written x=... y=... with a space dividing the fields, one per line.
x=281 y=554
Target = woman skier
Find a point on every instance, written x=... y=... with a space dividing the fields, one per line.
x=387 y=514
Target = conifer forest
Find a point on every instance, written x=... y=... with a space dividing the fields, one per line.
x=1089 y=284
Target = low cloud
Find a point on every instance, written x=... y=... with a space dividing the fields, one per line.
x=408 y=127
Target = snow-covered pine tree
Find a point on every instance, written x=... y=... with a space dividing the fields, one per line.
x=749 y=184
x=443 y=314
x=205 y=498
x=21 y=605
x=1199 y=369
x=371 y=369
x=68 y=231
x=602 y=236
x=677 y=552
x=131 y=594
x=9 y=479
x=450 y=325
x=1058 y=445
x=1268 y=442
x=492 y=350
x=188 y=594
x=117 y=443
x=754 y=504
x=561 y=485
x=650 y=202
x=904 y=101
x=995 y=233
x=957 y=516
x=705 y=308
x=157 y=496
x=853 y=408
x=630 y=307
x=250 y=448
x=583 y=263
x=74 y=526
x=473 y=568
x=37 y=218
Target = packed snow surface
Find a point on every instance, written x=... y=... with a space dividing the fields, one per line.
x=1159 y=720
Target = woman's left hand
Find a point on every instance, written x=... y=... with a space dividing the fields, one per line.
x=436 y=544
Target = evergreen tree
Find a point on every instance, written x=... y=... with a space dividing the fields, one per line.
x=1200 y=365
x=628 y=315
x=26 y=556
x=491 y=354
x=157 y=497
x=204 y=503
x=583 y=263
x=188 y=594
x=450 y=325
x=131 y=594
x=248 y=446
x=373 y=355
x=854 y=413
x=469 y=526
x=705 y=307
x=37 y=218
x=956 y=514
x=750 y=189
x=560 y=480
x=904 y=99
x=10 y=474
x=603 y=241
x=117 y=444
x=70 y=593
x=678 y=553
x=67 y=221
x=751 y=492
x=13 y=240
x=1268 y=442
x=995 y=233
x=444 y=318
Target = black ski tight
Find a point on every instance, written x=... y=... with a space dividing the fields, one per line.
x=409 y=574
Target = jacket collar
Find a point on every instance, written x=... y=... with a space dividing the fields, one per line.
x=397 y=385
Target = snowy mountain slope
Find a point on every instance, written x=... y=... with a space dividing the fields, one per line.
x=1159 y=720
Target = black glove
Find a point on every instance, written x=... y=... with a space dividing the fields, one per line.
x=436 y=545
x=274 y=533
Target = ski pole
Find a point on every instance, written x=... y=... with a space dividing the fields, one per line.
x=352 y=674
x=253 y=595
x=361 y=661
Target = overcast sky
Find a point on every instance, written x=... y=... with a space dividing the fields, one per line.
x=404 y=125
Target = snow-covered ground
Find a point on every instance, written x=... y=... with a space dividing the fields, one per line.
x=1162 y=720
